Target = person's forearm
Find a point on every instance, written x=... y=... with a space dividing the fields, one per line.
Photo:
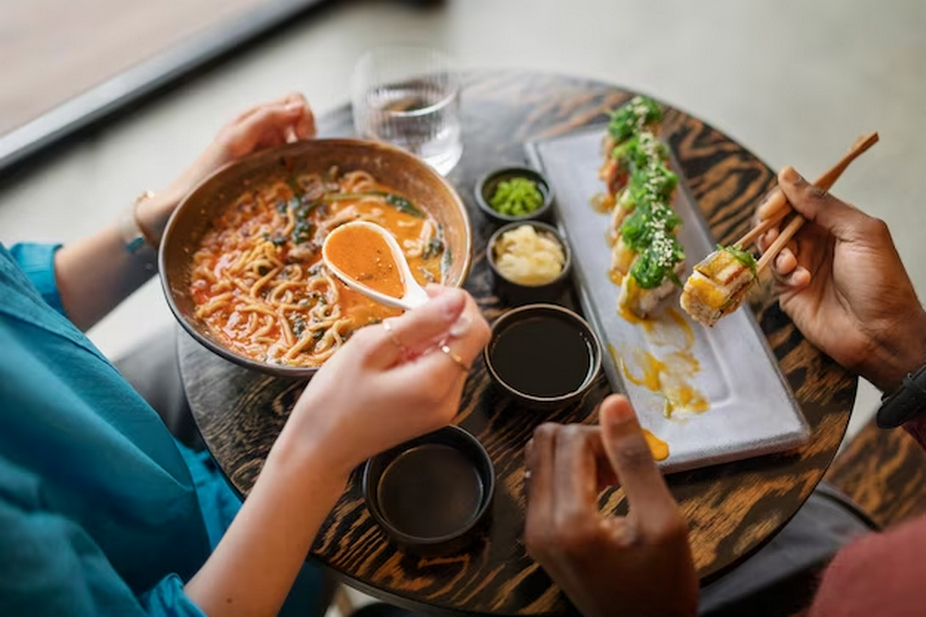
x=95 y=274
x=256 y=562
x=895 y=357
x=898 y=354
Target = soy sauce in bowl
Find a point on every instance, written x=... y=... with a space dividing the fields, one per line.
x=543 y=354
x=431 y=494
x=434 y=478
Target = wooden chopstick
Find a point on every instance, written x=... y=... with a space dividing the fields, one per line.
x=764 y=225
x=783 y=238
x=776 y=207
x=824 y=182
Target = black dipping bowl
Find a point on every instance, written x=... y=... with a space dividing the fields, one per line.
x=430 y=493
x=543 y=354
x=485 y=189
x=518 y=293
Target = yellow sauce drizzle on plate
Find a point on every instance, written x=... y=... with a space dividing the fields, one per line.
x=669 y=377
x=602 y=203
x=668 y=374
x=658 y=447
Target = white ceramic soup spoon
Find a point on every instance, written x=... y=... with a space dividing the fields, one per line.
x=414 y=295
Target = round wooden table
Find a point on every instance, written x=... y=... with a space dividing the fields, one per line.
x=732 y=509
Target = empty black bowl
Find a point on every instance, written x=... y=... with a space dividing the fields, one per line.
x=543 y=354
x=485 y=189
x=430 y=493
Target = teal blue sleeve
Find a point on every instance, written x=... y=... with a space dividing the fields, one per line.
x=220 y=505
x=168 y=599
x=217 y=502
x=50 y=566
x=37 y=261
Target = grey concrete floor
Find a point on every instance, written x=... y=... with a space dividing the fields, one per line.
x=793 y=81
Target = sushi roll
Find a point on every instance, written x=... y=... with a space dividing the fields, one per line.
x=653 y=275
x=719 y=284
x=643 y=302
x=650 y=184
x=630 y=142
x=638 y=231
x=646 y=257
x=622 y=257
x=640 y=114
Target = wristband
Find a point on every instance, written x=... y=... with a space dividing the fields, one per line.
x=905 y=402
x=136 y=241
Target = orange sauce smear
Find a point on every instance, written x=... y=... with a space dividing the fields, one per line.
x=631 y=317
x=363 y=255
x=669 y=377
x=602 y=203
x=670 y=373
x=658 y=448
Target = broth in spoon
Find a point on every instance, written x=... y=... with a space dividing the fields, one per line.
x=367 y=258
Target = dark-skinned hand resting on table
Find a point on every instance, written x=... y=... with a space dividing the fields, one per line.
x=636 y=565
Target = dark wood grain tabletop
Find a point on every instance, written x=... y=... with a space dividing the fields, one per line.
x=732 y=509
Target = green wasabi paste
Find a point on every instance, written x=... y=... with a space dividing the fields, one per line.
x=516 y=197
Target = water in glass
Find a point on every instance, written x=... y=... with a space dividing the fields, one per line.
x=418 y=112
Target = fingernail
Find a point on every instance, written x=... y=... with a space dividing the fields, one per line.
x=616 y=411
x=450 y=302
x=293 y=107
x=790 y=175
x=461 y=326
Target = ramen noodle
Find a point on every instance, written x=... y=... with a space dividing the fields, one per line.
x=258 y=280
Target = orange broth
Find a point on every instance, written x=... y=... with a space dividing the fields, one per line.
x=362 y=254
x=258 y=279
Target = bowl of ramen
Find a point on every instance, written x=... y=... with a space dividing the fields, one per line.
x=241 y=263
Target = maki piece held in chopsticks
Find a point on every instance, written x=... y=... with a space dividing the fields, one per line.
x=721 y=281
x=719 y=284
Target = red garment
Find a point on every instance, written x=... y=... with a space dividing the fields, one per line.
x=879 y=574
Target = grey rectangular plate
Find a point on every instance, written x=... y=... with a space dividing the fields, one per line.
x=752 y=410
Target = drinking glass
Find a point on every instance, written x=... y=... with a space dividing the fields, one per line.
x=410 y=97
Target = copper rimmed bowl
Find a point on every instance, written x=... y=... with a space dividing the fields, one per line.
x=391 y=166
